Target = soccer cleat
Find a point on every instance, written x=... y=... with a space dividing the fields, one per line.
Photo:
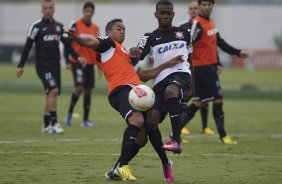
x=112 y=175
x=185 y=131
x=173 y=146
x=227 y=140
x=125 y=173
x=182 y=138
x=168 y=175
x=47 y=130
x=68 y=119
x=207 y=131
x=87 y=123
x=57 y=129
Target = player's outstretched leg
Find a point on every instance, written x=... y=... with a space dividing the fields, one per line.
x=218 y=115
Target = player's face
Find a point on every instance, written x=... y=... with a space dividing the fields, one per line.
x=165 y=15
x=193 y=10
x=87 y=14
x=206 y=8
x=118 y=32
x=48 y=10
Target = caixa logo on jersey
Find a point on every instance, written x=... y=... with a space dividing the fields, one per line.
x=52 y=37
x=171 y=46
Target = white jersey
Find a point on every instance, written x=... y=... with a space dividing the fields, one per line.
x=163 y=45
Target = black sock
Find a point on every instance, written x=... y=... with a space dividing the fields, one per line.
x=86 y=106
x=46 y=120
x=155 y=138
x=175 y=110
x=134 y=152
x=53 y=117
x=73 y=101
x=129 y=147
x=218 y=115
x=204 y=115
x=187 y=114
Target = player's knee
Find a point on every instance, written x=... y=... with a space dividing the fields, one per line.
x=87 y=91
x=78 y=90
x=198 y=104
x=171 y=91
x=136 y=119
x=218 y=100
x=54 y=92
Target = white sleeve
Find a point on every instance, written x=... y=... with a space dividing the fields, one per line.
x=33 y=30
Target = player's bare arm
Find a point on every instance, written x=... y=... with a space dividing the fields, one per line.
x=146 y=75
x=83 y=41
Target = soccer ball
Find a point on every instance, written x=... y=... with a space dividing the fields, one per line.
x=141 y=97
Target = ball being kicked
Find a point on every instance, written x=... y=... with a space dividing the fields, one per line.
x=141 y=97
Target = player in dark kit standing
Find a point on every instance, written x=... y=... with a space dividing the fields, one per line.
x=83 y=76
x=207 y=85
x=193 y=11
x=173 y=84
x=46 y=33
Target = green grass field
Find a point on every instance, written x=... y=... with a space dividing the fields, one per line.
x=83 y=155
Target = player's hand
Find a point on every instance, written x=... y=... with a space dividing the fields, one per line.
x=219 y=69
x=134 y=54
x=82 y=61
x=20 y=72
x=71 y=33
x=244 y=54
x=174 y=61
x=68 y=66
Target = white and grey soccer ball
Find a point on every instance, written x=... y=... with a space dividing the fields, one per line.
x=141 y=97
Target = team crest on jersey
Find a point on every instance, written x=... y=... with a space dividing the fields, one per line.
x=58 y=29
x=179 y=34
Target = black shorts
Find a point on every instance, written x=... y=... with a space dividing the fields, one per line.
x=207 y=85
x=83 y=76
x=181 y=80
x=50 y=77
x=118 y=99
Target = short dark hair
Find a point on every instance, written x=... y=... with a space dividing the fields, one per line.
x=200 y=1
x=89 y=5
x=110 y=24
x=163 y=2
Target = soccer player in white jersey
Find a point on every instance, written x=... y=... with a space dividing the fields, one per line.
x=172 y=85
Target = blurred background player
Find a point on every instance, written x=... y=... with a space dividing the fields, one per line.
x=207 y=86
x=83 y=76
x=193 y=11
x=46 y=33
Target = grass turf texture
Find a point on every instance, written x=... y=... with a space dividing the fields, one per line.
x=83 y=155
